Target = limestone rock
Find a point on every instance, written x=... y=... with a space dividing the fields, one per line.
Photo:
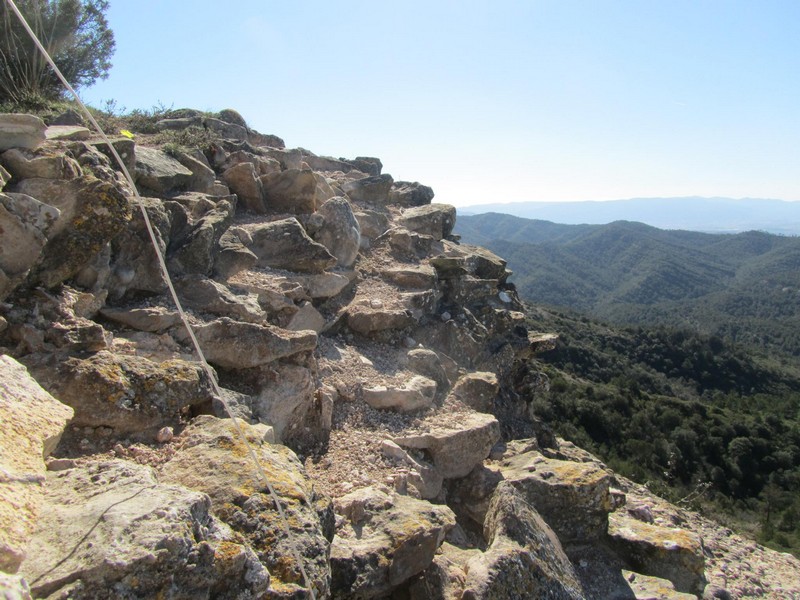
x=457 y=446
x=112 y=528
x=28 y=164
x=417 y=393
x=159 y=172
x=284 y=244
x=21 y=131
x=214 y=460
x=293 y=190
x=550 y=484
x=477 y=390
x=435 y=220
x=386 y=540
x=408 y=194
x=285 y=398
x=370 y=190
x=33 y=422
x=338 y=231
x=206 y=295
x=243 y=181
x=92 y=213
x=236 y=345
x=669 y=553
x=524 y=558
x=367 y=321
x=129 y=394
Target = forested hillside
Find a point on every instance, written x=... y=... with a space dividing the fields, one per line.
x=744 y=288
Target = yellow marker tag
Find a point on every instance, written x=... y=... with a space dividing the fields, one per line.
x=126 y=133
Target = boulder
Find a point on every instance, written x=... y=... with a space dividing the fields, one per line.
x=159 y=172
x=336 y=228
x=370 y=190
x=293 y=191
x=198 y=251
x=286 y=395
x=69 y=133
x=214 y=460
x=25 y=223
x=29 y=164
x=420 y=474
x=550 y=485
x=93 y=212
x=524 y=558
x=129 y=394
x=412 y=245
x=385 y=540
x=367 y=321
x=206 y=295
x=126 y=148
x=33 y=422
x=668 y=553
x=321 y=286
x=408 y=194
x=111 y=529
x=366 y=164
x=307 y=317
x=230 y=131
x=21 y=131
x=236 y=345
x=243 y=181
x=435 y=220
x=152 y=319
x=427 y=362
x=372 y=224
x=415 y=394
x=477 y=390
x=421 y=277
x=232 y=257
x=456 y=446
x=285 y=244
x=203 y=176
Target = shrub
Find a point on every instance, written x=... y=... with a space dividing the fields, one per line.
x=75 y=34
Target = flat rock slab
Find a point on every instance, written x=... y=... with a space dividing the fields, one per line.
x=33 y=422
x=458 y=446
x=386 y=539
x=285 y=244
x=21 y=131
x=67 y=132
x=669 y=553
x=416 y=394
x=645 y=587
x=573 y=497
x=110 y=529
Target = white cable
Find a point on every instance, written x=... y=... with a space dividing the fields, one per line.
x=165 y=274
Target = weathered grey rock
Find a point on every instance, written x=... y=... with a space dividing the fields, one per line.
x=370 y=190
x=129 y=394
x=229 y=131
x=5 y=177
x=306 y=318
x=14 y=587
x=25 y=223
x=288 y=158
x=243 y=181
x=427 y=362
x=214 y=460
x=68 y=133
x=133 y=263
x=153 y=319
x=264 y=165
x=232 y=256
x=206 y=295
x=110 y=528
x=322 y=285
x=179 y=123
x=524 y=558
x=416 y=276
x=27 y=164
x=197 y=253
x=237 y=345
x=372 y=225
x=646 y=587
x=366 y=164
x=125 y=147
x=411 y=244
x=367 y=321
x=550 y=485
x=203 y=176
x=92 y=213
x=477 y=390
x=285 y=398
x=21 y=131
x=420 y=474
x=336 y=228
x=406 y=193
x=435 y=220
x=284 y=244
x=294 y=191
x=159 y=172
x=386 y=540
x=669 y=553
x=326 y=163
x=458 y=446
x=415 y=394
x=33 y=422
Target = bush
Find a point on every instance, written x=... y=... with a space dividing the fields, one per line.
x=75 y=34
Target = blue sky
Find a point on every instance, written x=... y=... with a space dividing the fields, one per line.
x=502 y=101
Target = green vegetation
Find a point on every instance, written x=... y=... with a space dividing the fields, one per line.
x=75 y=34
x=696 y=418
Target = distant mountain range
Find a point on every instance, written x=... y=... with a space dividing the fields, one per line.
x=744 y=287
x=714 y=215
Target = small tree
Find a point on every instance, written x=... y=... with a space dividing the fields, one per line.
x=74 y=32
